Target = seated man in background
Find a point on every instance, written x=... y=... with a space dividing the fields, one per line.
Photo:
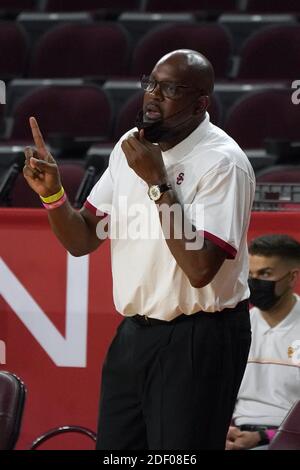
x=271 y=383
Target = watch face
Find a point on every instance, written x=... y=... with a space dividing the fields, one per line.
x=154 y=193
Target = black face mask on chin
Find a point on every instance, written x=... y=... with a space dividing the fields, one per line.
x=163 y=130
x=154 y=131
x=262 y=293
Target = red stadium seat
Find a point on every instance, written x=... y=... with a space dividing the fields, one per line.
x=259 y=55
x=273 y=6
x=190 y=5
x=89 y=50
x=70 y=111
x=91 y=5
x=127 y=114
x=2 y=122
x=22 y=195
x=14 y=50
x=17 y=5
x=264 y=115
x=211 y=40
x=279 y=174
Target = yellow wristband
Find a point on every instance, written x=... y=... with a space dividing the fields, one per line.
x=55 y=197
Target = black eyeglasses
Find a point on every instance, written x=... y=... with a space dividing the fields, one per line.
x=168 y=89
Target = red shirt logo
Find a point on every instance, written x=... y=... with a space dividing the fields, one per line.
x=180 y=178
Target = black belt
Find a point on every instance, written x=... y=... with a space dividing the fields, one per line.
x=148 y=321
x=256 y=427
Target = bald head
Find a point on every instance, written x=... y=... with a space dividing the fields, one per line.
x=191 y=66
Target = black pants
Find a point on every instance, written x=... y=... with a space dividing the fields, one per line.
x=173 y=385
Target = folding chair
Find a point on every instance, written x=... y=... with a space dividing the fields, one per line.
x=12 y=400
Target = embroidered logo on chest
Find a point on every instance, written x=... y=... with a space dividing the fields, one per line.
x=294 y=352
x=180 y=178
x=290 y=351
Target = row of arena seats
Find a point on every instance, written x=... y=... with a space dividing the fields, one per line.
x=73 y=174
x=90 y=112
x=278 y=187
x=84 y=111
x=105 y=49
x=253 y=6
x=75 y=121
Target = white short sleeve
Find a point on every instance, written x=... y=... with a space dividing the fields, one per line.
x=101 y=197
x=224 y=200
x=99 y=200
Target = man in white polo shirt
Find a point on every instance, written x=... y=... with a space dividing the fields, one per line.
x=271 y=383
x=176 y=199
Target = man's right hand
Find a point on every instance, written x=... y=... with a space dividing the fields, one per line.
x=40 y=170
x=241 y=440
x=232 y=435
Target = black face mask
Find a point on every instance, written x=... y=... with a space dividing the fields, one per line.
x=163 y=130
x=262 y=293
x=153 y=131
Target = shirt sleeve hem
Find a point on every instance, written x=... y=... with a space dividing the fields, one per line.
x=94 y=210
x=230 y=250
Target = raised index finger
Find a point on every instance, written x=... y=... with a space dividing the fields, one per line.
x=37 y=137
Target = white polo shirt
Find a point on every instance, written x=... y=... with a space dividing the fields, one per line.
x=271 y=383
x=207 y=170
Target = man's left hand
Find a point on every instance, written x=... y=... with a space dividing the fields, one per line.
x=144 y=158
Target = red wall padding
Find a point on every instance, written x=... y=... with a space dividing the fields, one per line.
x=33 y=268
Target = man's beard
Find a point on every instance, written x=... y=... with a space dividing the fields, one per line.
x=154 y=131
